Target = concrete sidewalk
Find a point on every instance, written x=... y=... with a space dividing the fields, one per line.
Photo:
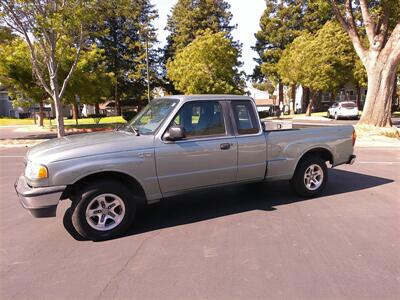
x=30 y=135
x=377 y=141
x=25 y=132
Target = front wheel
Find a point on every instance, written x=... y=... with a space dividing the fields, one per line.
x=102 y=210
x=310 y=176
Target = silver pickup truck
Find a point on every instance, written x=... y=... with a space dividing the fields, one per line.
x=175 y=145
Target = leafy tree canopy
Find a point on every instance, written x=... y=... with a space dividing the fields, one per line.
x=208 y=65
x=6 y=35
x=123 y=31
x=323 y=61
x=280 y=24
x=191 y=17
x=16 y=73
x=90 y=82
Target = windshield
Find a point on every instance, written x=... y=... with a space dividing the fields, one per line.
x=150 y=118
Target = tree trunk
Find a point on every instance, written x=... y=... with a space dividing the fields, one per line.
x=280 y=93
x=55 y=95
x=333 y=96
x=59 y=115
x=311 y=104
x=119 y=111
x=305 y=99
x=381 y=58
x=117 y=101
x=34 y=114
x=358 y=88
x=395 y=101
x=97 y=108
x=75 y=112
x=378 y=102
x=294 y=87
x=41 y=112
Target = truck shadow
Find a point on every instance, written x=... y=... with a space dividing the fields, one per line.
x=210 y=204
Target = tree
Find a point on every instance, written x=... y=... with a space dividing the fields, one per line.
x=17 y=75
x=280 y=24
x=48 y=28
x=6 y=35
x=90 y=82
x=208 y=65
x=379 y=22
x=190 y=18
x=322 y=62
x=267 y=86
x=125 y=33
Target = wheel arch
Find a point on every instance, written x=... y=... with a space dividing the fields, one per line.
x=130 y=182
x=322 y=152
x=298 y=180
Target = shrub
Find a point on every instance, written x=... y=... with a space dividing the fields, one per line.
x=97 y=117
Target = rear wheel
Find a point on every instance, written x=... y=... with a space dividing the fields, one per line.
x=310 y=176
x=102 y=210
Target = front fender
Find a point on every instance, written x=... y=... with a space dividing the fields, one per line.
x=139 y=166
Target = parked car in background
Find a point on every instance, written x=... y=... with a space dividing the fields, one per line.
x=343 y=110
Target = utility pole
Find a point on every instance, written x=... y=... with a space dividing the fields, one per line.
x=147 y=65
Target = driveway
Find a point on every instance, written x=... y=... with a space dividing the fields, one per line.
x=257 y=241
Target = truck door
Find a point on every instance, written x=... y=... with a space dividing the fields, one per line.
x=207 y=155
x=252 y=147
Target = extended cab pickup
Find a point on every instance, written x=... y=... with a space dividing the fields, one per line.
x=175 y=145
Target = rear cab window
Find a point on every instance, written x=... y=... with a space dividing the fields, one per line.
x=245 y=117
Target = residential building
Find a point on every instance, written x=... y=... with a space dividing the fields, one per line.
x=6 y=108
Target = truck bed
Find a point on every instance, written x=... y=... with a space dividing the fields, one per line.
x=285 y=147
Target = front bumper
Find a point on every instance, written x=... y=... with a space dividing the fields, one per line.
x=42 y=201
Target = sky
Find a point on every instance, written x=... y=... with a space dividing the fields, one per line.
x=246 y=14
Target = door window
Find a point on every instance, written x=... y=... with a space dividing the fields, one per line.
x=201 y=119
x=245 y=118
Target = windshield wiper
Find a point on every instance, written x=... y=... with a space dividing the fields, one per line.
x=124 y=126
x=134 y=129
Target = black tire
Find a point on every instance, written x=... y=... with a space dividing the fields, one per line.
x=298 y=181
x=85 y=195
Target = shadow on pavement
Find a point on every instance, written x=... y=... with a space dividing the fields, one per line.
x=225 y=201
x=39 y=136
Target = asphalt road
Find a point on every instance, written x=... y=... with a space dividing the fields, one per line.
x=249 y=242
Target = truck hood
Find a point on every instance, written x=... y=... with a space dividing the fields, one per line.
x=89 y=144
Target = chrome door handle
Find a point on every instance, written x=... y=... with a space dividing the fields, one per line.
x=225 y=146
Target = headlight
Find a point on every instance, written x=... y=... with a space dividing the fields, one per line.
x=36 y=171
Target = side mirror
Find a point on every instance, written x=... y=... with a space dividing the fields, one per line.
x=174 y=133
